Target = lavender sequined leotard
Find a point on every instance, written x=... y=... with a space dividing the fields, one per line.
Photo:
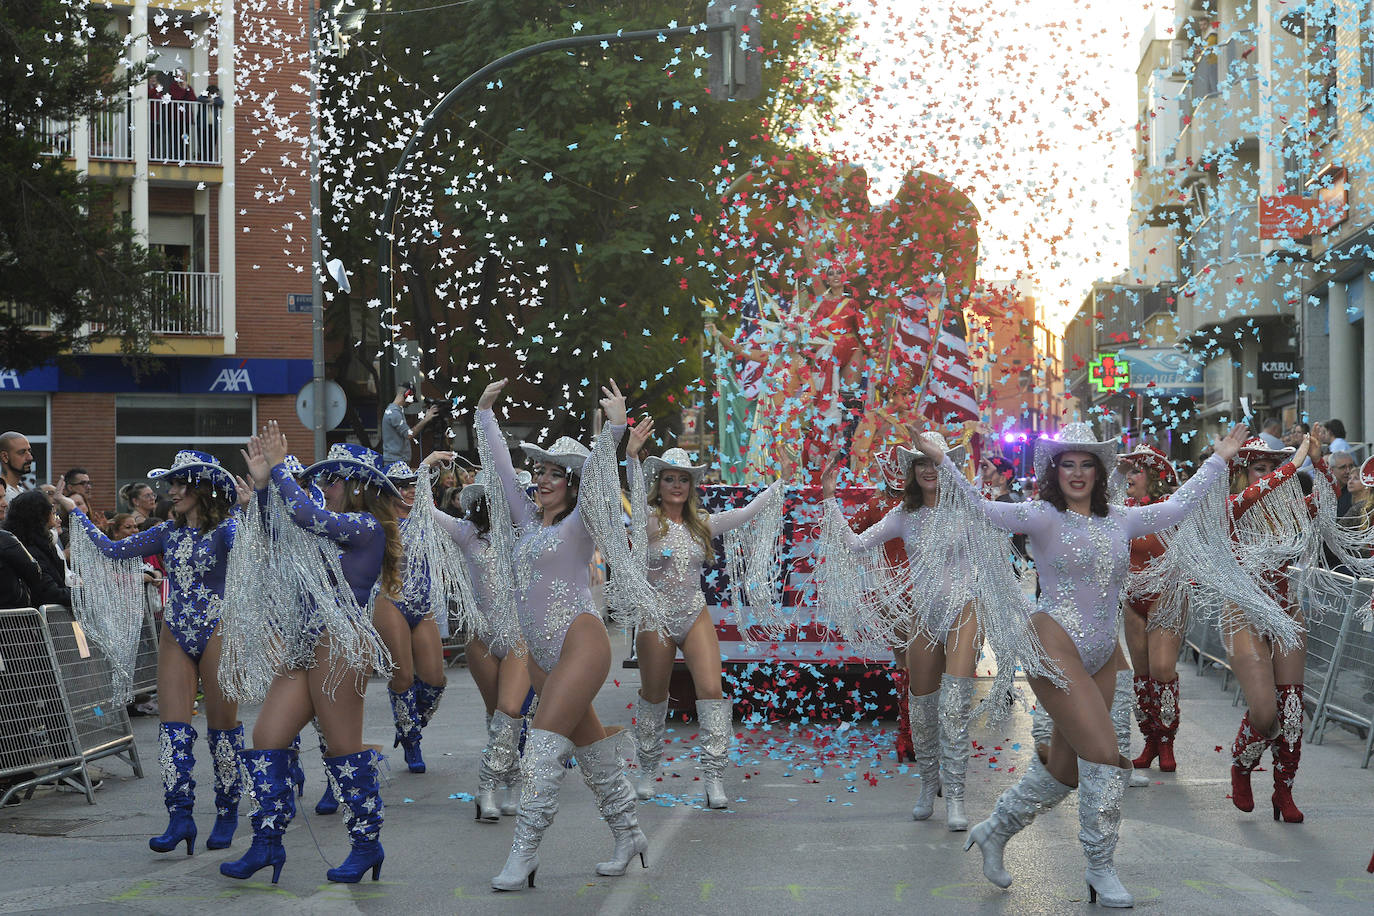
x=552 y=562
x=196 y=563
x=676 y=559
x=490 y=575
x=1082 y=560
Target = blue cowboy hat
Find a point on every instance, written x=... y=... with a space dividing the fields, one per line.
x=400 y=472
x=195 y=466
x=293 y=465
x=352 y=462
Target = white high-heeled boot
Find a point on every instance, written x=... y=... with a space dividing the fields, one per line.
x=956 y=705
x=543 y=765
x=1123 y=701
x=499 y=757
x=925 y=744
x=603 y=770
x=1100 y=788
x=651 y=724
x=715 y=716
x=1037 y=791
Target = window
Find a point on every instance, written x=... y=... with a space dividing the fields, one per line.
x=151 y=429
x=28 y=414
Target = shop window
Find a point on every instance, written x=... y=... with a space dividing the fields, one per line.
x=150 y=430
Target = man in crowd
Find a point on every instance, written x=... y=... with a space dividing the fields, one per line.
x=1342 y=464
x=16 y=460
x=1272 y=433
x=397 y=433
x=1332 y=435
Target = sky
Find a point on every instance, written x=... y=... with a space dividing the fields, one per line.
x=1029 y=106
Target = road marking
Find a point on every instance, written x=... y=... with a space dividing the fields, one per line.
x=659 y=844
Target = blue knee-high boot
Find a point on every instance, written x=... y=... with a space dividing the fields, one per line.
x=269 y=782
x=329 y=801
x=405 y=710
x=225 y=747
x=177 y=758
x=427 y=699
x=356 y=777
x=297 y=774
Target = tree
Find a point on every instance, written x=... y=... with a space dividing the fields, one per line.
x=560 y=212
x=65 y=260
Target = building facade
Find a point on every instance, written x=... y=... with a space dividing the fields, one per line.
x=207 y=165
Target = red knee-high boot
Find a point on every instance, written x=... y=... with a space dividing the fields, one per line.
x=1147 y=715
x=906 y=752
x=1167 y=714
x=1287 y=751
x=1245 y=754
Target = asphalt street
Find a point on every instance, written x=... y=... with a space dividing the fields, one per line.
x=819 y=822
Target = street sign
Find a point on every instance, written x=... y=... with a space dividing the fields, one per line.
x=299 y=303
x=735 y=67
x=335 y=403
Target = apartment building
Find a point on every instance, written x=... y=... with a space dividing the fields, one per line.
x=1015 y=356
x=206 y=164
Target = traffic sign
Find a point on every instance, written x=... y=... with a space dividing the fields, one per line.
x=335 y=403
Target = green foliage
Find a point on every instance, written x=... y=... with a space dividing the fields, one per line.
x=63 y=258
x=584 y=180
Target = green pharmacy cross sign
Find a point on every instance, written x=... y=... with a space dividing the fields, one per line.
x=1110 y=373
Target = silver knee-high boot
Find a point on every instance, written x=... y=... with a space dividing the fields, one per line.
x=1123 y=701
x=603 y=770
x=1036 y=792
x=499 y=758
x=1042 y=730
x=651 y=725
x=1100 y=788
x=543 y=765
x=956 y=705
x=925 y=744
x=714 y=717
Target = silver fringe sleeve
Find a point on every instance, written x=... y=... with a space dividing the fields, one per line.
x=1353 y=547
x=629 y=596
x=958 y=536
x=436 y=573
x=849 y=590
x=250 y=617
x=304 y=599
x=1277 y=530
x=109 y=603
x=1116 y=487
x=1199 y=572
x=753 y=561
x=501 y=616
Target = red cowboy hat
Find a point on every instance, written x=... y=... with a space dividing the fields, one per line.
x=1156 y=460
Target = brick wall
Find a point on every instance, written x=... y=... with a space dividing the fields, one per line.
x=172 y=201
x=93 y=448
x=282 y=408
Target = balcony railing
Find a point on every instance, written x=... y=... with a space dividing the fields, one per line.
x=186 y=132
x=200 y=312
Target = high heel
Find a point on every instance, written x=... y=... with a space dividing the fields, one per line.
x=543 y=770
x=1168 y=712
x=1122 y=701
x=406 y=713
x=1146 y=713
x=925 y=741
x=603 y=770
x=1036 y=792
x=650 y=728
x=956 y=704
x=1287 y=752
x=356 y=777
x=176 y=742
x=500 y=759
x=905 y=748
x=1100 y=790
x=1249 y=746
x=270 y=785
x=714 y=717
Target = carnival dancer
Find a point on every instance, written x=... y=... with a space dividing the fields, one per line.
x=678 y=540
x=1269 y=517
x=195 y=545
x=496 y=653
x=411 y=633
x=577 y=511
x=311 y=640
x=1150 y=478
x=944 y=635
x=1082 y=551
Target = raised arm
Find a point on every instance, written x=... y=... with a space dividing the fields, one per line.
x=734 y=518
x=461 y=530
x=144 y=544
x=1018 y=518
x=1143 y=520
x=353 y=528
x=890 y=527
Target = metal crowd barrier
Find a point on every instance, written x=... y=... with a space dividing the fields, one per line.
x=1339 y=673
x=55 y=710
x=145 y=664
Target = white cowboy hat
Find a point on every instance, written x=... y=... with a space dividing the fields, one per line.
x=470 y=494
x=566 y=452
x=1074 y=437
x=906 y=457
x=674 y=459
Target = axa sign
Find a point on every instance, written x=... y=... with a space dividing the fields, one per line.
x=9 y=378
x=232 y=380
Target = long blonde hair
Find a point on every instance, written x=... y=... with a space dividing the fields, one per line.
x=694 y=518
x=369 y=498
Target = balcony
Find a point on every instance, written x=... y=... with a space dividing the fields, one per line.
x=180 y=132
x=198 y=295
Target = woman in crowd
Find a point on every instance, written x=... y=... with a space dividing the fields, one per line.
x=1082 y=550
x=1150 y=478
x=412 y=637
x=23 y=581
x=576 y=510
x=496 y=654
x=195 y=545
x=679 y=534
x=33 y=520
x=141 y=499
x=315 y=642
